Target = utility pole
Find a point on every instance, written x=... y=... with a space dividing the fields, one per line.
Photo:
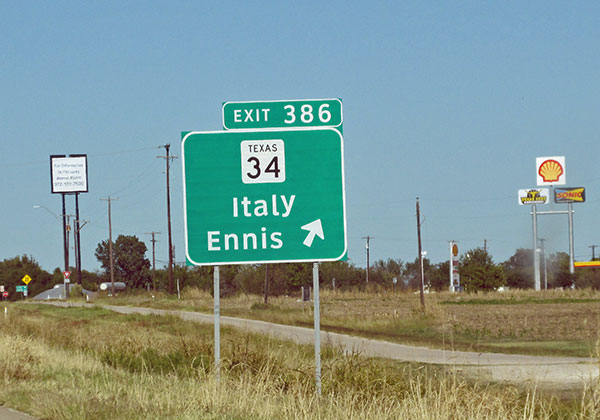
x=168 y=159
x=154 y=241
x=420 y=257
x=368 y=238
x=485 y=246
x=593 y=251
x=110 y=250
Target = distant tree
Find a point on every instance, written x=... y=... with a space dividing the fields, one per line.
x=478 y=271
x=559 y=274
x=519 y=269
x=12 y=270
x=587 y=277
x=130 y=262
x=345 y=274
x=439 y=276
x=412 y=273
x=383 y=271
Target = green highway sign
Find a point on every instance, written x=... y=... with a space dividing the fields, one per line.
x=22 y=289
x=283 y=114
x=264 y=196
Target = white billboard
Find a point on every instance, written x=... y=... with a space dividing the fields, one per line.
x=68 y=174
x=550 y=170
x=534 y=196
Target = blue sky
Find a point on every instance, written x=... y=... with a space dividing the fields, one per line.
x=447 y=101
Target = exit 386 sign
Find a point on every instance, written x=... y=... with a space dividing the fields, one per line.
x=282 y=114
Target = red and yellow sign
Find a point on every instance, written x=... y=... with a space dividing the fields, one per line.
x=569 y=195
x=583 y=264
x=550 y=170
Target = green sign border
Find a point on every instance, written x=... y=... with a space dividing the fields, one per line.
x=187 y=134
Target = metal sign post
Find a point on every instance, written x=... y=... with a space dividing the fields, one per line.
x=571 y=242
x=536 y=255
x=317 y=323
x=217 y=312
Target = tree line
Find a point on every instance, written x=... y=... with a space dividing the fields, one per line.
x=478 y=272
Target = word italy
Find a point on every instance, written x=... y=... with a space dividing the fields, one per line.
x=260 y=208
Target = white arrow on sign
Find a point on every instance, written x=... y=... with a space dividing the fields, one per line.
x=314 y=228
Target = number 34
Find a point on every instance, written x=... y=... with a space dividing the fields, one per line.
x=272 y=167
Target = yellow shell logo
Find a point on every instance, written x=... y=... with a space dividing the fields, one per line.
x=550 y=170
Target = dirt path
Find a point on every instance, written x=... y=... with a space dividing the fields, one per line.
x=7 y=413
x=555 y=373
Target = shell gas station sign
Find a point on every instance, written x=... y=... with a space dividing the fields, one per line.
x=550 y=170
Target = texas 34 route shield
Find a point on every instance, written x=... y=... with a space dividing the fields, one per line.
x=264 y=196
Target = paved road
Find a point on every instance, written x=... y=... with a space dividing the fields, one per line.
x=549 y=372
x=10 y=414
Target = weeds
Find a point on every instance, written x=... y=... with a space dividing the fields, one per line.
x=132 y=367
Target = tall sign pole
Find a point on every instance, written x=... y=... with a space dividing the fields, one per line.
x=317 y=325
x=536 y=255
x=571 y=241
x=78 y=239
x=217 y=323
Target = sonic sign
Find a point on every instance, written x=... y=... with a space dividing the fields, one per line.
x=569 y=195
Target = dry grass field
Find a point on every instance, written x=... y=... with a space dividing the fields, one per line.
x=90 y=363
x=541 y=323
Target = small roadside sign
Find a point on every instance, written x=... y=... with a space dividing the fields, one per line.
x=26 y=279
x=22 y=289
x=5 y=294
x=1 y=288
x=67 y=274
x=534 y=196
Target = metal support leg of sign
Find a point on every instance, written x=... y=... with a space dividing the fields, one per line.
x=65 y=242
x=217 y=325
x=571 y=243
x=78 y=239
x=536 y=255
x=317 y=319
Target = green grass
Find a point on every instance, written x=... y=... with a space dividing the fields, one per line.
x=85 y=363
x=524 y=301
